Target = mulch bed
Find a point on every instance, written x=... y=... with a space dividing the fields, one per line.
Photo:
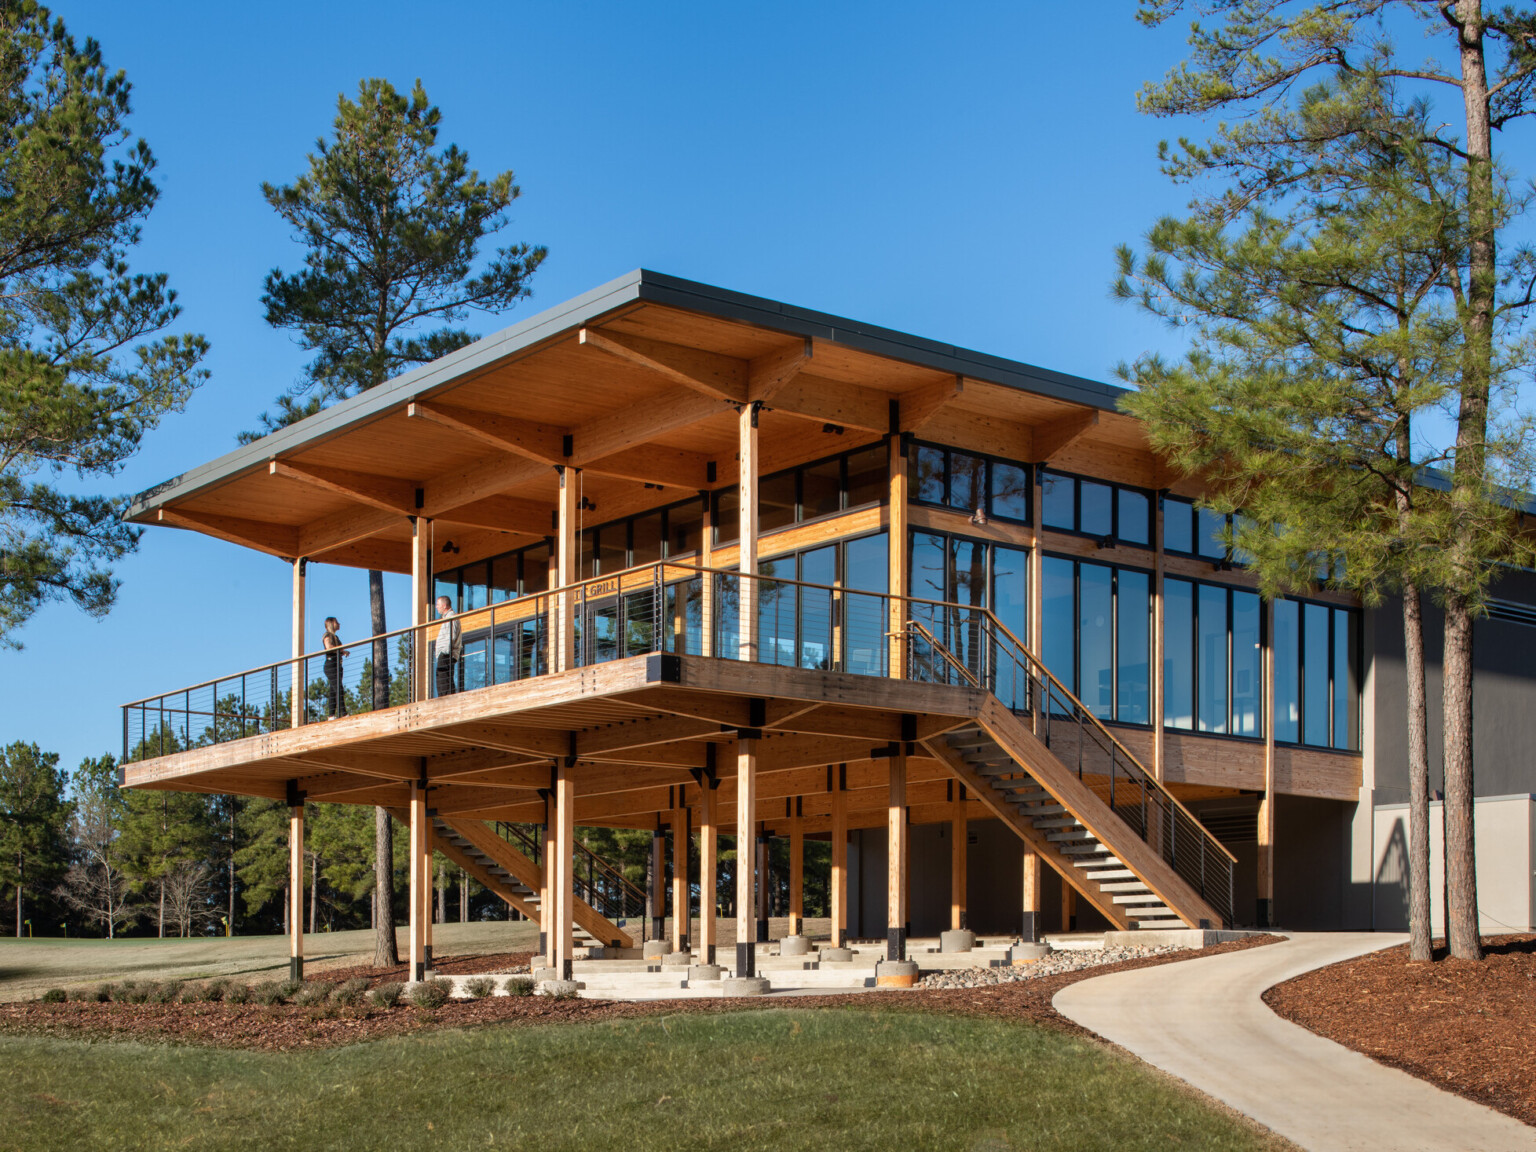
x=446 y=966
x=1466 y=1026
x=285 y=1027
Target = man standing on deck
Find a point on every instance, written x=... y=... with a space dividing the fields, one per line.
x=447 y=649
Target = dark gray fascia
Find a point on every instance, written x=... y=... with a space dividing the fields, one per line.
x=639 y=285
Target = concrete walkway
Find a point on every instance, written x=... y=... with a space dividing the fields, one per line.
x=1202 y=1020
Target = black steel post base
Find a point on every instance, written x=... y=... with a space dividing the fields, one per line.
x=420 y=971
x=658 y=927
x=544 y=944
x=746 y=960
x=296 y=968
x=709 y=954
x=896 y=944
x=1031 y=928
x=565 y=969
x=685 y=945
x=762 y=931
x=794 y=926
x=1263 y=914
x=426 y=957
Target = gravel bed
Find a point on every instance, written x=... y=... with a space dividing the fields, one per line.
x=1055 y=964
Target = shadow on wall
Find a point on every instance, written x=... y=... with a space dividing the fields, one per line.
x=1392 y=880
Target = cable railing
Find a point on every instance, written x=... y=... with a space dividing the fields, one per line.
x=982 y=653
x=604 y=887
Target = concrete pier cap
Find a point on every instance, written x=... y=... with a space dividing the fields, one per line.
x=744 y=986
x=957 y=940
x=896 y=974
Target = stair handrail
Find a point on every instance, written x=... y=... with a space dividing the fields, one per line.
x=632 y=895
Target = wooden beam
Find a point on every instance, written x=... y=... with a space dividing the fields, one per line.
x=771 y=371
x=832 y=402
x=638 y=424
x=1051 y=438
x=921 y=405
x=541 y=442
x=501 y=514
x=274 y=539
x=655 y=464
x=385 y=493
x=345 y=526
x=709 y=373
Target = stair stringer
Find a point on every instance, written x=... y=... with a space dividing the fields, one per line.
x=1050 y=773
x=479 y=834
x=491 y=883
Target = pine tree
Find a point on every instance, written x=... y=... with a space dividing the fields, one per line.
x=97 y=884
x=167 y=837
x=83 y=375
x=34 y=817
x=1259 y=65
x=392 y=227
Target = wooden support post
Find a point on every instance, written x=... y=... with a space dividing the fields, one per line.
x=1032 y=927
x=896 y=858
x=681 y=920
x=1036 y=594
x=564 y=624
x=839 y=855
x=764 y=884
x=960 y=836
x=796 y=873
x=299 y=675
x=547 y=876
x=898 y=551
x=426 y=886
x=418 y=883
x=658 y=891
x=421 y=608
x=709 y=855
x=1264 y=905
x=1158 y=746
x=746 y=874
x=565 y=877
x=746 y=598
x=296 y=891
x=707 y=580
x=1068 y=906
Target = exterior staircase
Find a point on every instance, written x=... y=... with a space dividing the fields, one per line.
x=1111 y=830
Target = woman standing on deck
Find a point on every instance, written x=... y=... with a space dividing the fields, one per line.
x=335 y=695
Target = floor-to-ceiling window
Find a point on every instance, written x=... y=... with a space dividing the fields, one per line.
x=1097 y=637
x=963 y=576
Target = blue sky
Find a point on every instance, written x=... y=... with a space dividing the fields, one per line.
x=961 y=172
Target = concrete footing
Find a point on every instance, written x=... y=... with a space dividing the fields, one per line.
x=677 y=960
x=1027 y=953
x=545 y=973
x=654 y=948
x=837 y=955
x=744 y=986
x=698 y=972
x=795 y=946
x=896 y=974
x=556 y=987
x=957 y=940
x=1176 y=937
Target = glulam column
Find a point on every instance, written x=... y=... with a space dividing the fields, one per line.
x=296 y=891
x=421 y=608
x=566 y=512
x=897 y=551
x=418 y=883
x=796 y=874
x=896 y=857
x=960 y=840
x=709 y=854
x=839 y=884
x=747 y=491
x=300 y=679
x=547 y=876
x=746 y=872
x=1265 y=897
x=564 y=870
x=680 y=898
x=1032 y=893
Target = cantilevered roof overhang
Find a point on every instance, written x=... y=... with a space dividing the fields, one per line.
x=637 y=383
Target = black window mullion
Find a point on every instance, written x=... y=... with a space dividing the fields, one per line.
x=1114 y=642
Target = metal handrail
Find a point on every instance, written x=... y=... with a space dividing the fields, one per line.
x=628 y=904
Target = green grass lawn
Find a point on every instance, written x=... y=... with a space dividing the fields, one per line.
x=28 y=968
x=786 y=1079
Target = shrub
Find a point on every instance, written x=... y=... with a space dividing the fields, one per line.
x=290 y=988
x=387 y=995
x=480 y=987
x=268 y=992
x=563 y=994
x=351 y=993
x=135 y=992
x=213 y=991
x=430 y=994
x=312 y=993
x=167 y=993
x=55 y=996
x=518 y=986
x=237 y=993
x=98 y=995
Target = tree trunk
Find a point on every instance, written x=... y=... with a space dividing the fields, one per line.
x=162 y=908
x=229 y=926
x=1468 y=477
x=18 y=893
x=1419 y=942
x=463 y=896
x=314 y=891
x=385 y=953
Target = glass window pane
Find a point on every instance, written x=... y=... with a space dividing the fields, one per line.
x=1135 y=517
x=967 y=481
x=929 y=564
x=612 y=550
x=1058 y=614
x=1247 y=665
x=1010 y=491
x=685 y=528
x=927 y=474
x=645 y=539
x=1211 y=638
x=1178 y=525
x=1095 y=634
x=504 y=577
x=1178 y=654
x=776 y=605
x=1094 y=508
x=865 y=566
x=818 y=566
x=1212 y=527
x=968 y=585
x=446 y=584
x=1346 y=709
x=1133 y=632
x=867 y=482
x=535 y=569
x=475 y=588
x=776 y=501
x=821 y=489
x=1010 y=603
x=1057 y=497
x=1287 y=666
x=586 y=554
x=727 y=515
x=1314 y=674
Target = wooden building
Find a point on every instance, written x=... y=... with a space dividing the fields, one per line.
x=720 y=565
